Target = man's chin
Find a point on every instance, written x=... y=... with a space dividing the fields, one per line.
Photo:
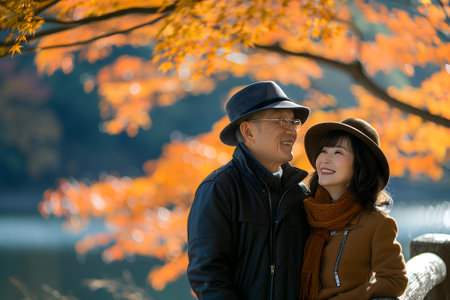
x=289 y=158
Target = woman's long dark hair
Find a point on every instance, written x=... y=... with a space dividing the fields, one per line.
x=367 y=182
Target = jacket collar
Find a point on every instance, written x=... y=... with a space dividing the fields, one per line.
x=249 y=165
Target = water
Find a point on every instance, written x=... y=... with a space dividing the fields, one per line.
x=417 y=219
x=41 y=255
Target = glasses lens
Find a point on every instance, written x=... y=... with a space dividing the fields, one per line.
x=285 y=122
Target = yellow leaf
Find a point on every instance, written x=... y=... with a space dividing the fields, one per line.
x=315 y=33
x=166 y=66
x=14 y=49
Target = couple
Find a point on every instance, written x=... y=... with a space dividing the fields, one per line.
x=256 y=232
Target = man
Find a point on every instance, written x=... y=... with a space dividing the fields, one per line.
x=246 y=227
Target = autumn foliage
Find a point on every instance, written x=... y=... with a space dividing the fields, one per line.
x=193 y=46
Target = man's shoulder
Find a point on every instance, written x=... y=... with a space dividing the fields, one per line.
x=220 y=181
x=223 y=173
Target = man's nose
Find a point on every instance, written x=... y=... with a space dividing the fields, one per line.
x=291 y=131
x=291 y=127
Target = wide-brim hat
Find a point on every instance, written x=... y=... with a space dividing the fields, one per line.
x=253 y=98
x=356 y=127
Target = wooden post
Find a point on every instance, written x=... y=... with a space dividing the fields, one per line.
x=425 y=271
x=439 y=244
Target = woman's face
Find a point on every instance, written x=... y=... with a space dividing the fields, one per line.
x=334 y=167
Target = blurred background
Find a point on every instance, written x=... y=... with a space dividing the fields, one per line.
x=49 y=130
x=92 y=210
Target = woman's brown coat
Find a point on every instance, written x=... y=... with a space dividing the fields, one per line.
x=367 y=246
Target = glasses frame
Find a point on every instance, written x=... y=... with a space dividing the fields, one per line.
x=284 y=122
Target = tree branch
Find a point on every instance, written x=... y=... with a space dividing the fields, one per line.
x=46 y=5
x=444 y=35
x=85 y=42
x=114 y=14
x=356 y=71
x=67 y=25
x=441 y=4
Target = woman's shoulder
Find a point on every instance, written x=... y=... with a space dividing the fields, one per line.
x=376 y=216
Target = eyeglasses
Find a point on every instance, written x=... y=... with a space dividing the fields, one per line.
x=284 y=122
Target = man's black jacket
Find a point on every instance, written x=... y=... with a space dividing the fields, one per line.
x=246 y=232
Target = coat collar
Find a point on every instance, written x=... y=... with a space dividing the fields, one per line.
x=250 y=166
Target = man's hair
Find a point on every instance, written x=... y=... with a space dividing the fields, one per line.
x=239 y=137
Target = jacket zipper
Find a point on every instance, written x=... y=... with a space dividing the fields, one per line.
x=271 y=243
x=338 y=259
x=271 y=246
x=272 y=277
x=341 y=249
x=272 y=229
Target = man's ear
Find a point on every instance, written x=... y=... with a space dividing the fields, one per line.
x=247 y=131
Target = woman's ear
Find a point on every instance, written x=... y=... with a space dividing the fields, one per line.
x=247 y=131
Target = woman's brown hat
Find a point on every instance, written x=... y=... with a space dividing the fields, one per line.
x=356 y=127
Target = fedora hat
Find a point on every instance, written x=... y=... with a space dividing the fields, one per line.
x=253 y=98
x=356 y=127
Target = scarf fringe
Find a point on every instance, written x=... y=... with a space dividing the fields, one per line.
x=309 y=285
x=306 y=288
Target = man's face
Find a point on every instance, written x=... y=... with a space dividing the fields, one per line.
x=271 y=143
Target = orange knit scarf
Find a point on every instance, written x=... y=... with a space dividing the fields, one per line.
x=324 y=216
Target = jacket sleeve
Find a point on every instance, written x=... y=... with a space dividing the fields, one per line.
x=210 y=243
x=387 y=261
x=388 y=264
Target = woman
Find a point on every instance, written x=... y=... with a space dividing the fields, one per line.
x=352 y=251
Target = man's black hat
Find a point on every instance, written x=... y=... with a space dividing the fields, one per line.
x=253 y=98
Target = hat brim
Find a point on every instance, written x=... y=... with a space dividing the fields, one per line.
x=228 y=134
x=315 y=134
